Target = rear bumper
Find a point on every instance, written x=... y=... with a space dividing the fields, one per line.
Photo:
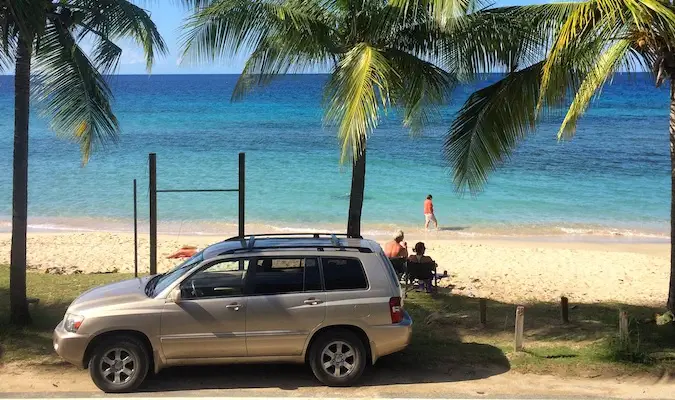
x=69 y=346
x=388 y=339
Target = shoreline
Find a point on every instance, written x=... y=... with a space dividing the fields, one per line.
x=571 y=232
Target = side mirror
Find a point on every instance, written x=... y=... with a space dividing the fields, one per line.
x=174 y=296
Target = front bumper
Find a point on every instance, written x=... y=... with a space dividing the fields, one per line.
x=70 y=346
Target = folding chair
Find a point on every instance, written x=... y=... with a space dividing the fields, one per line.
x=421 y=271
x=400 y=266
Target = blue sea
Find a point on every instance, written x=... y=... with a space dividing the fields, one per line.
x=612 y=178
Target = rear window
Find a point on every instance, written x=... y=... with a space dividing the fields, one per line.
x=343 y=274
x=390 y=268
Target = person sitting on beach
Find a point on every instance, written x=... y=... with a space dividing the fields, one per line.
x=396 y=248
x=420 y=258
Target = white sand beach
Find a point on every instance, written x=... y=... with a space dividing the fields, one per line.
x=505 y=270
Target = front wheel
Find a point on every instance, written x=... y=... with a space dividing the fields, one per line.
x=338 y=358
x=119 y=365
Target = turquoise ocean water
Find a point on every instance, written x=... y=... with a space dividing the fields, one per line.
x=612 y=178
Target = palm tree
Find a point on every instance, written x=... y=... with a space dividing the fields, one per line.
x=42 y=39
x=382 y=55
x=591 y=40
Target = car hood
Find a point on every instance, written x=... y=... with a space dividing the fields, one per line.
x=117 y=293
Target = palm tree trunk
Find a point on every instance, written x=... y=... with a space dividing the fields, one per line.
x=17 y=278
x=671 y=291
x=356 y=196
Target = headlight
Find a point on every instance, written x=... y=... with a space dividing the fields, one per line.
x=72 y=322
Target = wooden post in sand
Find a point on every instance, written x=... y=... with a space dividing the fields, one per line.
x=482 y=303
x=520 y=327
x=564 y=310
x=623 y=329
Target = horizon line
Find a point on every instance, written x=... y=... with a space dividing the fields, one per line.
x=291 y=74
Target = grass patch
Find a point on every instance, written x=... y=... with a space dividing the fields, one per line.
x=55 y=292
x=587 y=346
x=451 y=341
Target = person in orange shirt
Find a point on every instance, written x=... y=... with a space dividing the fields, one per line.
x=429 y=213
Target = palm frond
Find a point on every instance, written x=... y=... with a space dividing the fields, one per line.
x=446 y=13
x=114 y=19
x=491 y=40
x=73 y=94
x=106 y=55
x=227 y=27
x=423 y=88
x=489 y=125
x=276 y=55
x=604 y=69
x=356 y=93
x=592 y=25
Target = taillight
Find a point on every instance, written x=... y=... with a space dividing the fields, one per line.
x=396 y=310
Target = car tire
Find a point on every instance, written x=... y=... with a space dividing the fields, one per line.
x=338 y=358
x=119 y=364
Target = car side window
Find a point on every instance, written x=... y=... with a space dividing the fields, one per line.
x=223 y=278
x=286 y=275
x=343 y=274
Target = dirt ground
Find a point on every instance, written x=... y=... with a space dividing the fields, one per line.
x=17 y=380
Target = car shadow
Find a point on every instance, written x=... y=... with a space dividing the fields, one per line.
x=394 y=369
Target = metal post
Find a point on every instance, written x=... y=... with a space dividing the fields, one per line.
x=135 y=233
x=152 y=158
x=242 y=192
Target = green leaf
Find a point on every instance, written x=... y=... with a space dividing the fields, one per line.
x=604 y=68
x=108 y=20
x=357 y=91
x=74 y=95
x=489 y=125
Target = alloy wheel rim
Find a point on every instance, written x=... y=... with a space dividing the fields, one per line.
x=338 y=359
x=118 y=366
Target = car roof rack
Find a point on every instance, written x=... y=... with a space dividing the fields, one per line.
x=312 y=235
x=360 y=249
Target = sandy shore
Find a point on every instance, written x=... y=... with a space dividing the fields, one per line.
x=504 y=270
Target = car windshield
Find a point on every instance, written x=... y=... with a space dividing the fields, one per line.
x=165 y=280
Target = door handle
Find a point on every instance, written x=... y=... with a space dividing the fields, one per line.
x=312 y=302
x=233 y=307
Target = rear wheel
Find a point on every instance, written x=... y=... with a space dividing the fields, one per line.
x=119 y=364
x=338 y=358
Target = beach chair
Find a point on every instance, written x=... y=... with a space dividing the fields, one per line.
x=421 y=271
x=399 y=264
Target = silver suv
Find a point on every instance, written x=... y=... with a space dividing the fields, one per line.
x=334 y=303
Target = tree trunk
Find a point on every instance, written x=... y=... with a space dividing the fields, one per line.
x=671 y=291
x=356 y=196
x=17 y=278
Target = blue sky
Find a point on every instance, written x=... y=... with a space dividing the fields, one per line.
x=168 y=18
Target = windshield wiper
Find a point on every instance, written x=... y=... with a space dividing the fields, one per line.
x=150 y=286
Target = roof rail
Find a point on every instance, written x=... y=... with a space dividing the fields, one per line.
x=319 y=248
x=313 y=235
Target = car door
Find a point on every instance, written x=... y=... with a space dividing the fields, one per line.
x=209 y=321
x=286 y=304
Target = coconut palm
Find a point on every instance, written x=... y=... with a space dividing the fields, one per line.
x=43 y=40
x=382 y=55
x=590 y=42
